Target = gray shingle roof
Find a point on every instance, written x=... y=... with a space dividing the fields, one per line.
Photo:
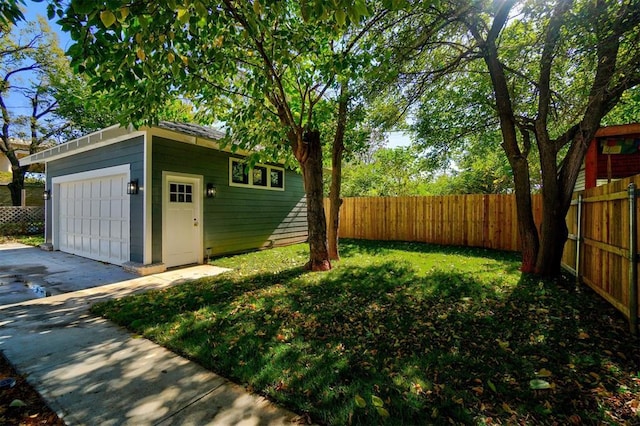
x=192 y=129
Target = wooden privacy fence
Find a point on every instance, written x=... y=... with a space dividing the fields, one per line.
x=21 y=220
x=602 y=252
x=487 y=221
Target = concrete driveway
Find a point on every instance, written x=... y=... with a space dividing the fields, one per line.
x=28 y=273
x=91 y=371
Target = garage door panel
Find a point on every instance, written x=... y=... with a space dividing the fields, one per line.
x=94 y=218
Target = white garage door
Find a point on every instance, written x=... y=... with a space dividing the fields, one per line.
x=93 y=218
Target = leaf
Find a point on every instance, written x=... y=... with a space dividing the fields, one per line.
x=17 y=403
x=341 y=17
x=140 y=54
x=543 y=373
x=583 y=335
x=492 y=386
x=171 y=57
x=382 y=412
x=108 y=18
x=183 y=15
x=257 y=9
x=507 y=408
x=360 y=402
x=124 y=12
x=376 y=401
x=538 y=384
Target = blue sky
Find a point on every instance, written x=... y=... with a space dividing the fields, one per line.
x=31 y=12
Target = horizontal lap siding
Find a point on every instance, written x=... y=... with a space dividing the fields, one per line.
x=237 y=219
x=130 y=152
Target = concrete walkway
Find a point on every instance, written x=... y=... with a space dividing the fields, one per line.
x=92 y=372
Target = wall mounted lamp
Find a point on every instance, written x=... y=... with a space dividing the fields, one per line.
x=211 y=191
x=46 y=195
x=132 y=187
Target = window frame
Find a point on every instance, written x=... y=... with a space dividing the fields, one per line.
x=268 y=168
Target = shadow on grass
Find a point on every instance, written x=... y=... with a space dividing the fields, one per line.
x=384 y=344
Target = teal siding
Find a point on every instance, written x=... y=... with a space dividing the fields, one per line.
x=238 y=219
x=130 y=152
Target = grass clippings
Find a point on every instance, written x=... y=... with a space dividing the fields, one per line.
x=401 y=333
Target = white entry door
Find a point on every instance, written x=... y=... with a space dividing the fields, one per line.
x=182 y=217
x=92 y=218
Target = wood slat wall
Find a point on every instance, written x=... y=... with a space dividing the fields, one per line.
x=468 y=220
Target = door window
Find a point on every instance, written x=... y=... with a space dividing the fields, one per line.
x=180 y=192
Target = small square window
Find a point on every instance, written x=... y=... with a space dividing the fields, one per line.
x=260 y=176
x=277 y=180
x=238 y=173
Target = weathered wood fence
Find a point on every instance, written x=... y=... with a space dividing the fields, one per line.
x=602 y=252
x=21 y=220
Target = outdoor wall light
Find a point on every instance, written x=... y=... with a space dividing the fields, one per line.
x=46 y=195
x=132 y=187
x=211 y=191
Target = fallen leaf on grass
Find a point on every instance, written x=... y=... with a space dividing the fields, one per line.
x=507 y=408
x=583 y=335
x=543 y=372
x=382 y=412
x=537 y=384
x=376 y=401
x=360 y=402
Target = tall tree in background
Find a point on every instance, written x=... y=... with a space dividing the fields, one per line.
x=261 y=67
x=29 y=59
x=555 y=69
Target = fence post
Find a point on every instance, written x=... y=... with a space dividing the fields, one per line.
x=633 y=261
x=578 y=238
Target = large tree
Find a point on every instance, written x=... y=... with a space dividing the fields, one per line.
x=555 y=69
x=261 y=67
x=29 y=59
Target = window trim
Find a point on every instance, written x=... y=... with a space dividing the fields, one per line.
x=268 y=168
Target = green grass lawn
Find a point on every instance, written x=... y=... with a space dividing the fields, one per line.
x=30 y=240
x=401 y=333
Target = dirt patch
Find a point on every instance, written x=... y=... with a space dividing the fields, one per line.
x=34 y=412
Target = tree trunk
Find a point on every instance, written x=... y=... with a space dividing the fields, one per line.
x=527 y=230
x=316 y=220
x=554 y=234
x=335 y=202
x=17 y=179
x=517 y=157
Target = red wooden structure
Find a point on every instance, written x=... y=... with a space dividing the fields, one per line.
x=613 y=154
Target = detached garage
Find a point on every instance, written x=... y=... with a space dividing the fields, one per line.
x=165 y=196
